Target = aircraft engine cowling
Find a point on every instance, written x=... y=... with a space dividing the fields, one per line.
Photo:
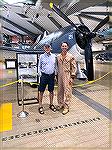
x=80 y=37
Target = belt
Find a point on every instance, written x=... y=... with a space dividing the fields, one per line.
x=47 y=74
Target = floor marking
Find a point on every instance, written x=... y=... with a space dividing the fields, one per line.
x=50 y=129
x=95 y=105
x=5 y=117
x=95 y=90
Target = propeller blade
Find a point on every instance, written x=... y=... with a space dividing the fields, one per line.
x=101 y=24
x=80 y=19
x=54 y=21
x=61 y=14
x=89 y=61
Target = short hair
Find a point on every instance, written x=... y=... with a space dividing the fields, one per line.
x=47 y=45
x=64 y=42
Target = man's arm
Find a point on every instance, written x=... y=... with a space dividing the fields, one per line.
x=73 y=68
x=56 y=69
x=56 y=66
x=39 y=66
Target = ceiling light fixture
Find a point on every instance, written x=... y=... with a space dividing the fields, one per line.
x=16 y=2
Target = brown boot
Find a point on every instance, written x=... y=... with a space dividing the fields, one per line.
x=65 y=111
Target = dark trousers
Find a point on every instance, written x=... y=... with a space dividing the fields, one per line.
x=47 y=79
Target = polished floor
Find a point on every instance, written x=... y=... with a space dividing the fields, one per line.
x=86 y=126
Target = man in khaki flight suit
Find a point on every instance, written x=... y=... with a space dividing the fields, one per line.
x=66 y=69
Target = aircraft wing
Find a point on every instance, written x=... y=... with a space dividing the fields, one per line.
x=72 y=6
x=80 y=5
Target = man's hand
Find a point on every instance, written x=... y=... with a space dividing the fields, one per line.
x=56 y=78
x=71 y=81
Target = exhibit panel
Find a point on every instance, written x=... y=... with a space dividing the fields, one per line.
x=27 y=76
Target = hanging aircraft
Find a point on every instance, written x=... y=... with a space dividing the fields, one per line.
x=78 y=36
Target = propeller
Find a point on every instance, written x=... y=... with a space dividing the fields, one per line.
x=61 y=14
x=101 y=24
x=83 y=38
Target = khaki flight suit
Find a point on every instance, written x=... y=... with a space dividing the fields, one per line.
x=66 y=68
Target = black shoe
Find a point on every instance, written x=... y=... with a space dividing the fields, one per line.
x=41 y=111
x=52 y=107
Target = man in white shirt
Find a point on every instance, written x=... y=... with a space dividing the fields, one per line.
x=46 y=70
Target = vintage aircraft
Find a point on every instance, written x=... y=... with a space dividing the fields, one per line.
x=78 y=36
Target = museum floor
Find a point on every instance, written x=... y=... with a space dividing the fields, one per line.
x=86 y=126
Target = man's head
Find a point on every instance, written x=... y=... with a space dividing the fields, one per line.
x=64 y=46
x=47 y=48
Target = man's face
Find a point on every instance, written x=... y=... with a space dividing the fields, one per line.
x=47 y=48
x=64 y=47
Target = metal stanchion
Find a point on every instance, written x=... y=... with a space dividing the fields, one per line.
x=23 y=113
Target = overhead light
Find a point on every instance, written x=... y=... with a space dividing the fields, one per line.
x=29 y=2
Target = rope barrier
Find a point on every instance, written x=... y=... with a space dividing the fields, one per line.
x=90 y=82
x=9 y=84
x=79 y=85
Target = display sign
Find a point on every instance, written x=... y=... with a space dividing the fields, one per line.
x=27 y=67
x=10 y=63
